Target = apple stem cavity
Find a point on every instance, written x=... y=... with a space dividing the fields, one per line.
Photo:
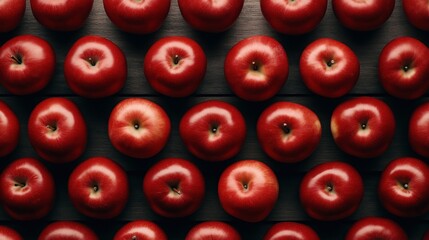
x=364 y=125
x=17 y=58
x=95 y=188
x=20 y=184
x=255 y=66
x=134 y=237
x=329 y=187
x=406 y=68
x=285 y=128
x=92 y=61
x=330 y=63
x=176 y=59
x=52 y=128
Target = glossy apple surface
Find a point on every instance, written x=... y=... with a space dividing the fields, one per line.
x=291 y=230
x=67 y=230
x=418 y=130
x=27 y=189
x=7 y=233
x=61 y=15
x=256 y=68
x=57 y=130
x=139 y=17
x=213 y=130
x=175 y=66
x=363 y=15
x=329 y=67
x=138 y=127
x=9 y=130
x=11 y=13
x=403 y=187
x=27 y=64
x=294 y=17
x=140 y=229
x=417 y=13
x=174 y=188
x=363 y=127
x=331 y=191
x=95 y=67
x=98 y=188
x=213 y=230
x=375 y=228
x=403 y=68
x=288 y=132
x=210 y=16
x=248 y=190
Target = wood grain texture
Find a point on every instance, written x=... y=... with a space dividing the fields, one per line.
x=251 y=22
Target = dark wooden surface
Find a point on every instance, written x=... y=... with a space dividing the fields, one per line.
x=96 y=112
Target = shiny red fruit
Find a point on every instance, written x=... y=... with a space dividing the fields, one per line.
x=11 y=13
x=213 y=230
x=369 y=228
x=9 y=130
x=7 y=233
x=67 y=230
x=140 y=229
x=417 y=13
x=292 y=231
x=418 y=130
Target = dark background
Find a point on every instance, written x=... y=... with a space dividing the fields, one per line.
x=367 y=46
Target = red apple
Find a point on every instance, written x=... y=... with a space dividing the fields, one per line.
x=426 y=235
x=57 y=130
x=363 y=15
x=27 y=64
x=363 y=127
x=67 y=230
x=175 y=66
x=141 y=17
x=294 y=17
x=403 y=187
x=288 y=132
x=417 y=13
x=291 y=230
x=248 y=190
x=329 y=68
x=95 y=67
x=98 y=188
x=11 y=13
x=9 y=130
x=331 y=191
x=213 y=230
x=140 y=229
x=403 y=68
x=174 y=188
x=375 y=228
x=256 y=68
x=7 y=233
x=138 y=127
x=63 y=15
x=210 y=16
x=27 y=189
x=213 y=130
x=418 y=130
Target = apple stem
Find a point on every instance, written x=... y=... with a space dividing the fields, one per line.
x=363 y=125
x=245 y=186
x=136 y=126
x=329 y=187
x=176 y=190
x=92 y=61
x=53 y=128
x=17 y=58
x=21 y=185
x=405 y=186
x=214 y=129
x=134 y=237
x=255 y=66
x=406 y=68
x=176 y=59
x=286 y=128
x=330 y=63
x=95 y=188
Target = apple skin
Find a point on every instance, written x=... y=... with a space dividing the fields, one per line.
x=27 y=64
x=213 y=130
x=175 y=66
x=67 y=230
x=329 y=68
x=294 y=17
x=7 y=233
x=331 y=191
x=140 y=229
x=57 y=130
x=138 y=17
x=402 y=188
x=63 y=15
x=138 y=127
x=211 y=16
x=403 y=68
x=426 y=235
x=363 y=15
x=256 y=68
x=95 y=67
x=288 y=132
x=363 y=127
x=27 y=189
x=98 y=188
x=174 y=188
x=418 y=130
x=417 y=13
x=248 y=190
x=9 y=130
x=11 y=13
x=375 y=228
x=213 y=230
x=291 y=230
